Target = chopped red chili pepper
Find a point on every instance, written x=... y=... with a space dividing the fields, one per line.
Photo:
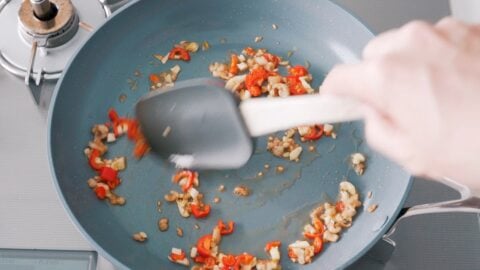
x=295 y=86
x=319 y=226
x=254 y=80
x=224 y=229
x=291 y=254
x=298 y=71
x=113 y=184
x=141 y=148
x=204 y=245
x=93 y=160
x=245 y=259
x=272 y=58
x=178 y=53
x=200 y=211
x=113 y=115
x=339 y=206
x=200 y=259
x=229 y=260
x=315 y=133
x=108 y=174
x=233 y=64
x=101 y=192
x=249 y=51
x=271 y=245
x=154 y=79
x=210 y=262
x=189 y=175
x=178 y=257
x=311 y=235
x=317 y=245
x=133 y=132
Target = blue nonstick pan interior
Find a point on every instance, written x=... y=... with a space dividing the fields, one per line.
x=316 y=31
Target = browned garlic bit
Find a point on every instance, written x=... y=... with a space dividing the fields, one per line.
x=328 y=220
x=140 y=237
x=241 y=191
x=205 y=45
x=163 y=224
x=132 y=84
x=216 y=200
x=115 y=199
x=122 y=98
x=179 y=232
x=280 y=169
x=221 y=188
x=258 y=39
x=172 y=196
x=286 y=147
x=161 y=58
x=196 y=227
x=371 y=208
x=165 y=78
x=328 y=129
x=166 y=131
x=219 y=70
x=190 y=46
x=358 y=161
x=159 y=206
x=303 y=252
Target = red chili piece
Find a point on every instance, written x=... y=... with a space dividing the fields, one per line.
x=178 y=53
x=101 y=192
x=93 y=157
x=315 y=133
x=200 y=211
x=224 y=229
x=254 y=81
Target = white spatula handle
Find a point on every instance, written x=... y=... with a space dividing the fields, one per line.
x=266 y=115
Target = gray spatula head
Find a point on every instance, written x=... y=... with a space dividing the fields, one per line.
x=196 y=124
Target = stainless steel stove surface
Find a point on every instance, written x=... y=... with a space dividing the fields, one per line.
x=32 y=57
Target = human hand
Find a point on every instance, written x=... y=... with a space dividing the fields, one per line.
x=421 y=88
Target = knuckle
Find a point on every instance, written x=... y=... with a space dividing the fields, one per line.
x=448 y=22
x=417 y=27
x=417 y=32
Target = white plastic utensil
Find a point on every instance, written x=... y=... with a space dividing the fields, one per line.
x=266 y=115
x=208 y=128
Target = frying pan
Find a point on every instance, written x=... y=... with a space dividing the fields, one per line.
x=316 y=31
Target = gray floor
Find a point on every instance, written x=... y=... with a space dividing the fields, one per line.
x=441 y=241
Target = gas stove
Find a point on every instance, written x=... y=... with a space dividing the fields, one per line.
x=35 y=231
x=40 y=36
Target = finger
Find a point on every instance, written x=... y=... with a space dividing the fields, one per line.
x=363 y=82
x=398 y=40
x=381 y=45
x=462 y=35
x=453 y=30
